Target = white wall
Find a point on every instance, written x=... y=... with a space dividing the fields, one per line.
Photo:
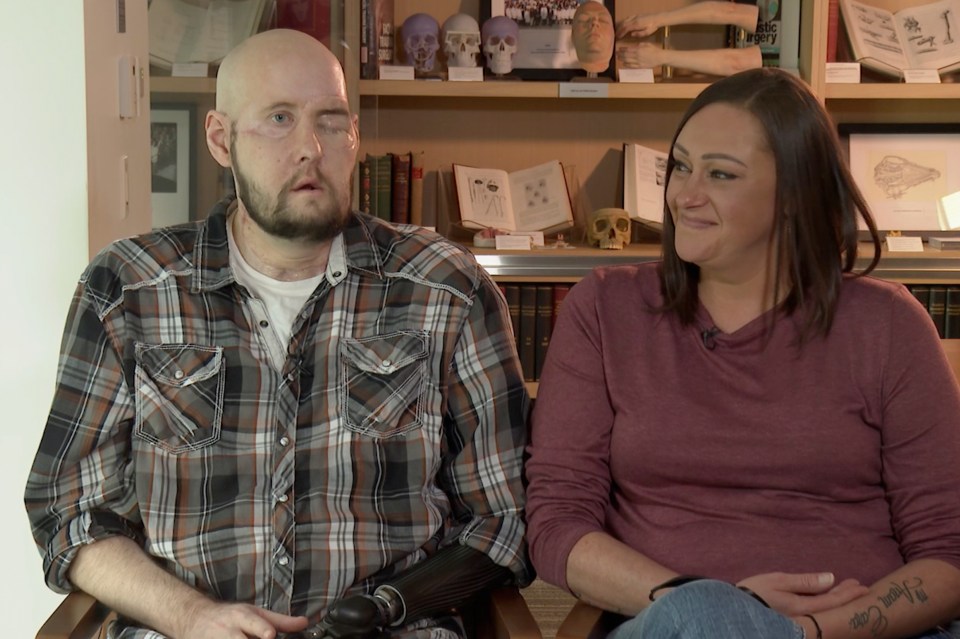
x=43 y=248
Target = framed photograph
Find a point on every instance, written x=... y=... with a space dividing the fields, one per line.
x=545 y=49
x=907 y=173
x=171 y=163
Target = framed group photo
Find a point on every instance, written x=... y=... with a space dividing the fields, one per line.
x=545 y=49
x=909 y=175
x=171 y=163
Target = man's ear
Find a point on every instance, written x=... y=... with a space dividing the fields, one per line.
x=217 y=128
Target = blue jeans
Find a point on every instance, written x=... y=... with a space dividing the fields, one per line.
x=718 y=610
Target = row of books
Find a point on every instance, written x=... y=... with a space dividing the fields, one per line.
x=391 y=187
x=943 y=303
x=533 y=312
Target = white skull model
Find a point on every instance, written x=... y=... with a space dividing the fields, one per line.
x=609 y=228
x=461 y=40
x=421 y=41
x=500 y=37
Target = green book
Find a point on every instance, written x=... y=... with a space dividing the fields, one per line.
x=382 y=176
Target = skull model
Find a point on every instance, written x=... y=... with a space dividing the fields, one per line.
x=421 y=41
x=500 y=37
x=609 y=228
x=461 y=40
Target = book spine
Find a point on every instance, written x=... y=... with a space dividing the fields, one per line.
x=544 y=328
x=833 y=26
x=769 y=34
x=559 y=294
x=365 y=200
x=382 y=188
x=952 y=323
x=788 y=40
x=367 y=57
x=512 y=294
x=372 y=166
x=385 y=33
x=922 y=293
x=400 y=189
x=416 y=188
x=528 y=331
x=938 y=308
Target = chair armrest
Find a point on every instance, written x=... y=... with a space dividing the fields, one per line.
x=581 y=622
x=511 y=617
x=78 y=616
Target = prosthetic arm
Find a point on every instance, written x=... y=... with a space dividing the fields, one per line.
x=645 y=55
x=743 y=16
x=437 y=584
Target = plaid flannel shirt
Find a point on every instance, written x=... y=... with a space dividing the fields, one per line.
x=395 y=427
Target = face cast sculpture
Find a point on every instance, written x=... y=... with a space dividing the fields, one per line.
x=609 y=228
x=461 y=40
x=500 y=37
x=421 y=41
x=593 y=36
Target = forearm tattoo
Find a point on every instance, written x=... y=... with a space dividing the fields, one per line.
x=873 y=617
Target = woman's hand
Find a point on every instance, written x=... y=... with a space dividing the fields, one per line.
x=805 y=593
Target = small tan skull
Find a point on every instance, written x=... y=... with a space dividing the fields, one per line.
x=609 y=228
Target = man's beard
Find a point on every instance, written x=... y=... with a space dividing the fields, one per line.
x=278 y=218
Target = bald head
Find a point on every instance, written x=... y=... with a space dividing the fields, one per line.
x=256 y=64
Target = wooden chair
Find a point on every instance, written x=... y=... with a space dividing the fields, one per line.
x=503 y=615
x=585 y=621
x=582 y=622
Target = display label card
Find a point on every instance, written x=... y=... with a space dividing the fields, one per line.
x=190 y=69
x=465 y=74
x=921 y=76
x=514 y=242
x=583 y=90
x=904 y=244
x=396 y=72
x=536 y=237
x=644 y=76
x=843 y=72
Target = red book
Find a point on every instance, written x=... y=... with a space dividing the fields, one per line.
x=400 y=188
x=309 y=16
x=833 y=27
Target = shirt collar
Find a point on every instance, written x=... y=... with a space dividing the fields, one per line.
x=354 y=248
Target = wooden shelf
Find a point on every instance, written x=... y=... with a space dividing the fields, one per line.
x=892 y=91
x=523 y=89
x=567 y=265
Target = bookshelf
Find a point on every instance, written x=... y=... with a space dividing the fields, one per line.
x=515 y=125
x=569 y=265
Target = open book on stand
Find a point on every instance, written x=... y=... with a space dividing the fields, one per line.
x=926 y=36
x=534 y=199
x=644 y=170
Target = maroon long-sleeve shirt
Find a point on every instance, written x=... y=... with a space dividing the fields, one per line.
x=738 y=454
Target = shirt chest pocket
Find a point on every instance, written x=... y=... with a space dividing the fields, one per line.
x=179 y=395
x=382 y=383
